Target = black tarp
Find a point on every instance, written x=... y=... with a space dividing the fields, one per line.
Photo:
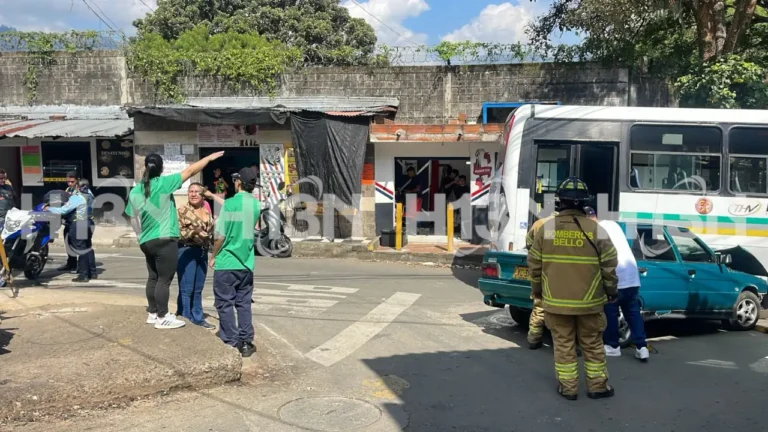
x=331 y=149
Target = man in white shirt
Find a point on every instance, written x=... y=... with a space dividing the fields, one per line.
x=629 y=287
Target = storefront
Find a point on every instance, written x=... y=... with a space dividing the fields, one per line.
x=40 y=145
x=450 y=163
x=268 y=134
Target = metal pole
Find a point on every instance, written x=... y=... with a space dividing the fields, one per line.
x=449 y=228
x=399 y=226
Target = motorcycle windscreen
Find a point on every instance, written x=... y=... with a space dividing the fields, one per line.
x=744 y=261
x=15 y=220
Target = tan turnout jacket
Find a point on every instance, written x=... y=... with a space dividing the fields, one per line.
x=565 y=269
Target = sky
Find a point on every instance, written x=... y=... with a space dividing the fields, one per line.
x=397 y=22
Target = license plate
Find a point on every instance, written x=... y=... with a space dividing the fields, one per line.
x=522 y=273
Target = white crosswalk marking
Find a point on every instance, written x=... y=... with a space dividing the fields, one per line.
x=293 y=299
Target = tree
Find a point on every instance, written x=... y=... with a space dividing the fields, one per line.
x=322 y=29
x=245 y=62
x=680 y=39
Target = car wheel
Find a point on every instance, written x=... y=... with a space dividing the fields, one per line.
x=746 y=312
x=520 y=316
x=625 y=334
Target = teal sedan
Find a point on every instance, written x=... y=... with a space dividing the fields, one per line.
x=681 y=277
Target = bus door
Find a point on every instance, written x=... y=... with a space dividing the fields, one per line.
x=595 y=163
x=598 y=167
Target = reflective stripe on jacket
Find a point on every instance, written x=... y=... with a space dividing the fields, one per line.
x=565 y=269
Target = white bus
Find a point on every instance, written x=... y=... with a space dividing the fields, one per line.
x=706 y=169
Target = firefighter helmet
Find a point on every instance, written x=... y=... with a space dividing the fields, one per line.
x=572 y=189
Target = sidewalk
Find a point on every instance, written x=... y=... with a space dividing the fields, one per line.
x=465 y=254
x=65 y=351
x=762 y=325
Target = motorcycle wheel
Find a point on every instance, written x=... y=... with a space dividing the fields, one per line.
x=33 y=267
x=283 y=246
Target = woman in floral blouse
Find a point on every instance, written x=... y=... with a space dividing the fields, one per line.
x=196 y=227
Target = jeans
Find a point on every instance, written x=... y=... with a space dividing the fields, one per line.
x=162 y=257
x=233 y=289
x=629 y=303
x=193 y=267
x=81 y=244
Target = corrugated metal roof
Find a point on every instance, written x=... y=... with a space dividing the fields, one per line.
x=294 y=104
x=70 y=112
x=67 y=128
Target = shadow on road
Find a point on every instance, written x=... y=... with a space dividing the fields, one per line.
x=708 y=382
x=6 y=334
x=468 y=274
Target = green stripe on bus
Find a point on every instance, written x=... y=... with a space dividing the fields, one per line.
x=670 y=217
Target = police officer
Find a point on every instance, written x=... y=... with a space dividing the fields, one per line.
x=77 y=215
x=536 y=321
x=573 y=271
x=71 y=264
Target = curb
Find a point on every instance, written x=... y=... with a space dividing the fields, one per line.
x=763 y=328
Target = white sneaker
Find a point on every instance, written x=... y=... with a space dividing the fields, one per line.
x=642 y=354
x=169 y=321
x=612 y=352
x=151 y=318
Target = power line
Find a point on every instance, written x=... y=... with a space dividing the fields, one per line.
x=98 y=16
x=148 y=6
x=383 y=23
x=104 y=14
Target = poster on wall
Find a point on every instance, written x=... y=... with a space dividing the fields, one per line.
x=31 y=160
x=483 y=167
x=292 y=173
x=114 y=158
x=175 y=164
x=220 y=135
x=272 y=170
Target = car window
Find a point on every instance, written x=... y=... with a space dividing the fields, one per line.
x=652 y=245
x=690 y=249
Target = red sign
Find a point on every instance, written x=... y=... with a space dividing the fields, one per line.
x=704 y=206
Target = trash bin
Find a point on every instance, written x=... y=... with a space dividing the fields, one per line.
x=388 y=238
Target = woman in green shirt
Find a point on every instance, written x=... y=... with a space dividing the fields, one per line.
x=152 y=210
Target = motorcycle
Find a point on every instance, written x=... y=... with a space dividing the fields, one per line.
x=26 y=236
x=271 y=239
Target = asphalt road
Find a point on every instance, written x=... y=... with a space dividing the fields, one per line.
x=383 y=347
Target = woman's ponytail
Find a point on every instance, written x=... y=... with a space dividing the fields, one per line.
x=153 y=167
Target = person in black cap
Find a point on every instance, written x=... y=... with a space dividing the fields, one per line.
x=232 y=261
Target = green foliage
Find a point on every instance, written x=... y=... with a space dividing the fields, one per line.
x=42 y=48
x=660 y=38
x=467 y=51
x=728 y=82
x=321 y=29
x=243 y=61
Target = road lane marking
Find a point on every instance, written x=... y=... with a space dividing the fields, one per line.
x=305 y=303
x=263 y=291
x=359 y=333
x=282 y=339
x=313 y=288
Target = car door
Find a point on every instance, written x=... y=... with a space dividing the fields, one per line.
x=711 y=287
x=662 y=286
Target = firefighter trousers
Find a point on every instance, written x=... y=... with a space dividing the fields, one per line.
x=536 y=322
x=588 y=330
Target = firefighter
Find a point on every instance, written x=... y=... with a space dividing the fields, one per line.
x=573 y=272
x=536 y=321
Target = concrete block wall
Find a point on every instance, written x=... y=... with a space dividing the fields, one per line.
x=95 y=78
x=428 y=94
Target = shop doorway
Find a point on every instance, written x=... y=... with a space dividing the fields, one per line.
x=432 y=177
x=59 y=158
x=234 y=159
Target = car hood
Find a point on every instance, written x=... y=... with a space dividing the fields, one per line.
x=744 y=261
